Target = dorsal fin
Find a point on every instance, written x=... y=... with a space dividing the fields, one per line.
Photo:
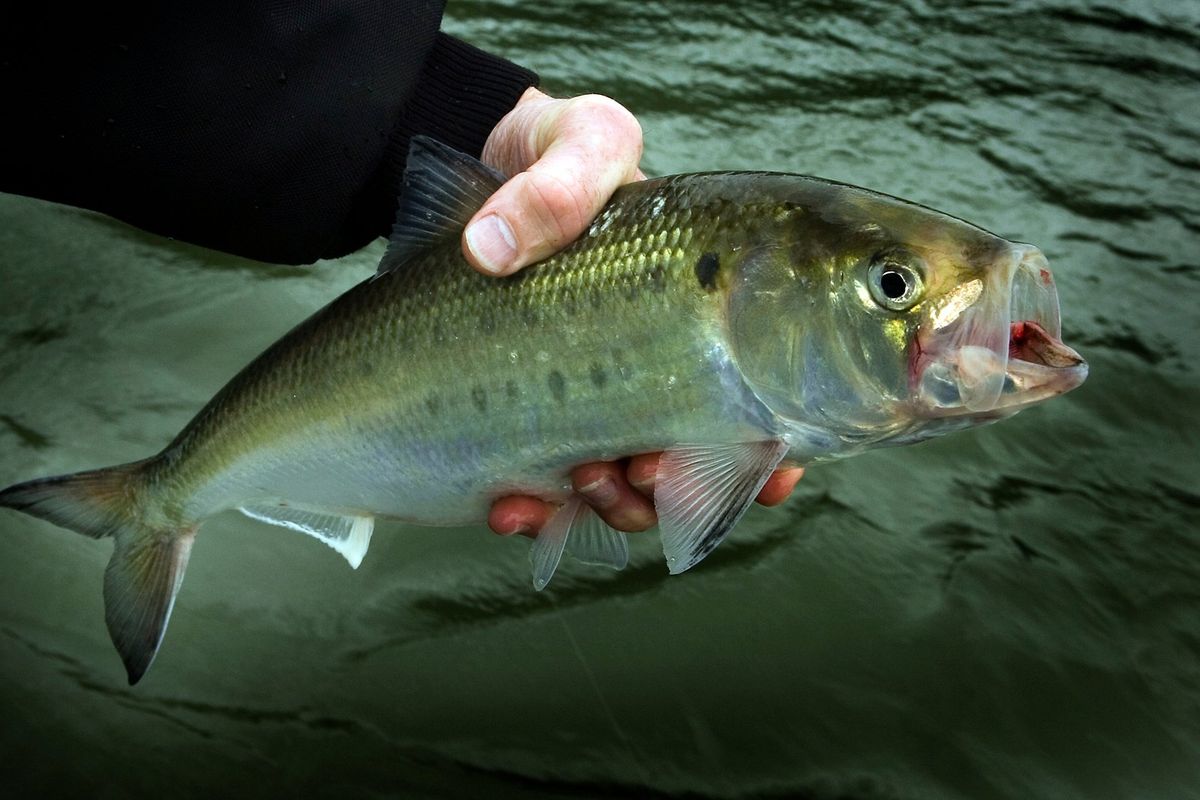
x=443 y=189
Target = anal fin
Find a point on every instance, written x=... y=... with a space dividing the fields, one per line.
x=349 y=534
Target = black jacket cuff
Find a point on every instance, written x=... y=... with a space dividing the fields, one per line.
x=462 y=93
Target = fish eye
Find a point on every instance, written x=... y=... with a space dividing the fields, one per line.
x=895 y=285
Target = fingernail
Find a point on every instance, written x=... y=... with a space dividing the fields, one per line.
x=601 y=492
x=492 y=243
x=643 y=483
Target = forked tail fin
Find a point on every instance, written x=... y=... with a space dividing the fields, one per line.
x=148 y=561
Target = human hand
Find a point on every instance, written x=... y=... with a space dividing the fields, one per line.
x=621 y=492
x=566 y=158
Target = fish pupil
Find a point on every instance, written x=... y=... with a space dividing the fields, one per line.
x=893 y=284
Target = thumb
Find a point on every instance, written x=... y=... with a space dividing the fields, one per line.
x=581 y=150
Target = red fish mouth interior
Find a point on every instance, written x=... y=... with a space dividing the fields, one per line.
x=1028 y=341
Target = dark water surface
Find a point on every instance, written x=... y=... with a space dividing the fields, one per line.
x=1008 y=613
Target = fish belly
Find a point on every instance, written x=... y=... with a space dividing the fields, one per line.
x=444 y=463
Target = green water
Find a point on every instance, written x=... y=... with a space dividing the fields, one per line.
x=1008 y=613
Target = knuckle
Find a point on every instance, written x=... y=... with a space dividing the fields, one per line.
x=559 y=209
x=605 y=125
x=604 y=108
x=604 y=128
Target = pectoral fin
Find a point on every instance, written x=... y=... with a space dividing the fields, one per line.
x=703 y=490
x=576 y=529
x=350 y=535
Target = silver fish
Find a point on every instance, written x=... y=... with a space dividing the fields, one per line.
x=730 y=319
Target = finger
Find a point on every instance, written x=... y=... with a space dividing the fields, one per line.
x=642 y=472
x=588 y=146
x=521 y=515
x=604 y=486
x=779 y=486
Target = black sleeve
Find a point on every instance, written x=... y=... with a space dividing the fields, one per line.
x=275 y=131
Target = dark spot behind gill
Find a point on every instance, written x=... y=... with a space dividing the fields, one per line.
x=707 y=267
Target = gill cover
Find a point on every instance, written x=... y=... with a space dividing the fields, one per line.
x=765 y=309
x=806 y=345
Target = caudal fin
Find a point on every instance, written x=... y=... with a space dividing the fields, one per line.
x=148 y=561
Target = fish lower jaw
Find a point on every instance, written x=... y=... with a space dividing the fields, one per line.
x=1039 y=366
x=969 y=383
x=1027 y=383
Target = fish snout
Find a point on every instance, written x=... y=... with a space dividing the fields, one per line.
x=1006 y=351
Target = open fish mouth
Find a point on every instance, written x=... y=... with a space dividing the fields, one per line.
x=1000 y=348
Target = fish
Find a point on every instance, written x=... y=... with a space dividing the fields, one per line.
x=731 y=320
